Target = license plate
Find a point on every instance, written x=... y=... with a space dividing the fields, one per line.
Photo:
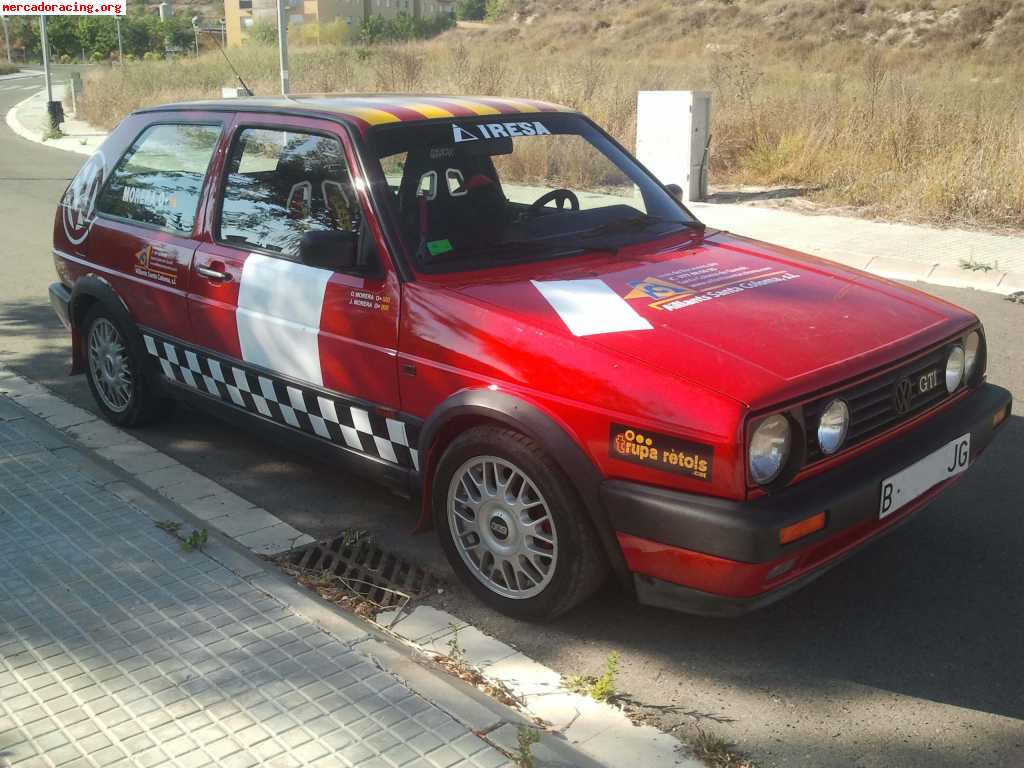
x=903 y=487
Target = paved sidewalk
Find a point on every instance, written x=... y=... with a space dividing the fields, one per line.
x=119 y=649
x=29 y=120
x=897 y=251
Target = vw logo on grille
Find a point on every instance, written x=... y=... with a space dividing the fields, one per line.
x=903 y=395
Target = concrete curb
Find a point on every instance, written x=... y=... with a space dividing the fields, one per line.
x=581 y=732
x=991 y=280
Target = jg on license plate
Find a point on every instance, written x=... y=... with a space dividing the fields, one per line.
x=903 y=487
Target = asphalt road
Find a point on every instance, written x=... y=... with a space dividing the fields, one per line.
x=910 y=654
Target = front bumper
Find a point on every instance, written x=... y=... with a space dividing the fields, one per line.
x=60 y=299
x=719 y=557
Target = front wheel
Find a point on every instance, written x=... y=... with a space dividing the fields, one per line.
x=512 y=527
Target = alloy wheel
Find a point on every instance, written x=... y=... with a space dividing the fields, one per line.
x=502 y=527
x=108 y=366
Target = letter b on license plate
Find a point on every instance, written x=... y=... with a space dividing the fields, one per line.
x=903 y=487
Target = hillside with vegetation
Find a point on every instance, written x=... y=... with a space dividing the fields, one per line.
x=902 y=109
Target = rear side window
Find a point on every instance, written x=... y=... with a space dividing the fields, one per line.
x=280 y=185
x=160 y=178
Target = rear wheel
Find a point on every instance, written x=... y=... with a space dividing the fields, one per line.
x=512 y=526
x=126 y=396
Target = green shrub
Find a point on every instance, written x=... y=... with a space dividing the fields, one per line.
x=471 y=10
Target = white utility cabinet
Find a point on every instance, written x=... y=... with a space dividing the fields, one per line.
x=673 y=129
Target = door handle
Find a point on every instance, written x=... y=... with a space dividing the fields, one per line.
x=213 y=274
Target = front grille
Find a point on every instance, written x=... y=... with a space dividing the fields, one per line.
x=872 y=403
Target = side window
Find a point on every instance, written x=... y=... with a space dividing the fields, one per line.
x=280 y=185
x=160 y=177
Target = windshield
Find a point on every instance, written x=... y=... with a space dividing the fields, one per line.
x=473 y=193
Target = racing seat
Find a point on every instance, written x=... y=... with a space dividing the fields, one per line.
x=458 y=199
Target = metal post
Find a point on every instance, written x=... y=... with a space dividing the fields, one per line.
x=45 y=42
x=7 y=38
x=120 y=45
x=282 y=45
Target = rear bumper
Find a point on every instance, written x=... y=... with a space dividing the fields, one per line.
x=720 y=557
x=60 y=299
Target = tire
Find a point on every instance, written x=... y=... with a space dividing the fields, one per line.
x=119 y=378
x=485 y=532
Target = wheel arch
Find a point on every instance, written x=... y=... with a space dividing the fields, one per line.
x=87 y=292
x=470 y=408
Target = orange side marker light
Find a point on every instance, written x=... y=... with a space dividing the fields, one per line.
x=1000 y=416
x=804 y=528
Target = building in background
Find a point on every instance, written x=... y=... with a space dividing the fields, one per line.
x=241 y=15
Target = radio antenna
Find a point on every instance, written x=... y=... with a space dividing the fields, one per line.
x=224 y=54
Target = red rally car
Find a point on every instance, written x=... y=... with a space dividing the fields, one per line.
x=489 y=303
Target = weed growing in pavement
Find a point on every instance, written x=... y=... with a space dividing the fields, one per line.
x=525 y=738
x=1016 y=298
x=456 y=653
x=716 y=752
x=598 y=688
x=195 y=540
x=977 y=266
x=353 y=536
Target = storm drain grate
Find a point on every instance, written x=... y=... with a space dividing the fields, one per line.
x=373 y=574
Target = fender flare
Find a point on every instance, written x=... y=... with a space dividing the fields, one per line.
x=514 y=412
x=92 y=288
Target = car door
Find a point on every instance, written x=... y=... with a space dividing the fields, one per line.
x=142 y=239
x=311 y=348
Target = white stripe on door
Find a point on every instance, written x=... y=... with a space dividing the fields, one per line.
x=278 y=316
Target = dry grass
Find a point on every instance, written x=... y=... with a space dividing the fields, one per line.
x=932 y=129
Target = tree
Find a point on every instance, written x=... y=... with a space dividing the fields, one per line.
x=471 y=10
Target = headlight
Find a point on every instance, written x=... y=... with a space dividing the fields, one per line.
x=769 y=448
x=954 y=368
x=971 y=347
x=832 y=426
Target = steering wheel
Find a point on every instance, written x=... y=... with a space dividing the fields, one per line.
x=560 y=196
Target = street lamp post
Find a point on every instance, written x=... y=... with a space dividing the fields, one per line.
x=44 y=40
x=7 y=38
x=195 y=31
x=282 y=45
x=120 y=45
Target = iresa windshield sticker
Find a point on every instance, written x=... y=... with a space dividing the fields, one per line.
x=662 y=452
x=463 y=133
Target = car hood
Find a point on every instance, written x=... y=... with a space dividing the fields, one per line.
x=755 y=322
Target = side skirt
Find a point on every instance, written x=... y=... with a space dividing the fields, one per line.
x=378 y=442
x=396 y=478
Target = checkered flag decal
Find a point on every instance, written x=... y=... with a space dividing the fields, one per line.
x=345 y=422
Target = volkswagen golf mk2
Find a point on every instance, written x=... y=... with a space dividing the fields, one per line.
x=490 y=304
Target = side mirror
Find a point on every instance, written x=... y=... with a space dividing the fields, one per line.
x=330 y=249
x=676 y=191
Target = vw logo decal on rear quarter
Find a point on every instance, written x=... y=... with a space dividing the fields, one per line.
x=79 y=205
x=903 y=395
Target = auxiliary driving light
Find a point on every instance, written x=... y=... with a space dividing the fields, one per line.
x=954 y=368
x=832 y=426
x=971 y=347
